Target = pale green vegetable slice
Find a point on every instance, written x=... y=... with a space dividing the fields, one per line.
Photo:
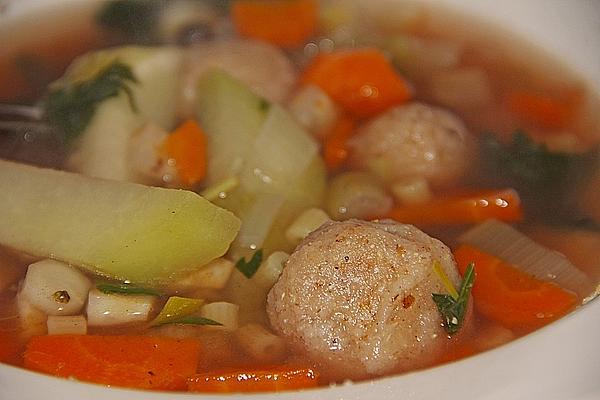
x=231 y=115
x=102 y=148
x=276 y=163
x=177 y=308
x=120 y=230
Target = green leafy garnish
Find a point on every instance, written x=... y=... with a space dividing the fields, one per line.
x=136 y=20
x=453 y=308
x=249 y=268
x=70 y=107
x=121 y=288
x=530 y=166
x=194 y=320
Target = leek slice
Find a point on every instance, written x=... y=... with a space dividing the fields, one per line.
x=505 y=242
x=177 y=308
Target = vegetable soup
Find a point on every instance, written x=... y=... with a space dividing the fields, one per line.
x=268 y=195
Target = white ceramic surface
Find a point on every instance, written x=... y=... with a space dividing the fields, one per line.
x=558 y=362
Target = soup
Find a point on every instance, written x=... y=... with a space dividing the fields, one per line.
x=474 y=145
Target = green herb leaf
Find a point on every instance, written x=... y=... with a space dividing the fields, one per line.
x=531 y=166
x=452 y=309
x=249 y=268
x=194 y=320
x=71 y=107
x=136 y=20
x=110 y=288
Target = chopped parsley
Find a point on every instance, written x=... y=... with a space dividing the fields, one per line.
x=249 y=268
x=121 y=288
x=531 y=166
x=453 y=307
x=70 y=108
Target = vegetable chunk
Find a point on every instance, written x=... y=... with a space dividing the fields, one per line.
x=131 y=361
x=119 y=230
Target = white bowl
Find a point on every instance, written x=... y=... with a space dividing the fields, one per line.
x=560 y=361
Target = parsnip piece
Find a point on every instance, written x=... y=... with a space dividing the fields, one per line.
x=109 y=309
x=119 y=230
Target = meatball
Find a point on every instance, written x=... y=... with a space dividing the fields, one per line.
x=356 y=297
x=413 y=141
x=261 y=66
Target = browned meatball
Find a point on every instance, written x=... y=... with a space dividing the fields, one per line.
x=356 y=297
x=413 y=141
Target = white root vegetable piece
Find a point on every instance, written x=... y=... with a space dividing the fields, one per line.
x=213 y=275
x=307 y=222
x=265 y=69
x=108 y=309
x=412 y=191
x=251 y=294
x=151 y=165
x=227 y=314
x=260 y=344
x=461 y=88
x=269 y=271
x=32 y=321
x=67 y=325
x=357 y=195
x=102 y=148
x=314 y=110
x=124 y=231
x=56 y=288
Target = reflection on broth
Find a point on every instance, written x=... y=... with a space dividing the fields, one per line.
x=381 y=190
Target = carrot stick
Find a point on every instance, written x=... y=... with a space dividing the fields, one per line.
x=511 y=297
x=254 y=380
x=187 y=146
x=502 y=204
x=286 y=23
x=131 y=361
x=546 y=111
x=335 y=146
x=362 y=81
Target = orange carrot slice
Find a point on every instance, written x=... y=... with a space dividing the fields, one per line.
x=546 y=111
x=130 y=361
x=503 y=204
x=286 y=23
x=511 y=297
x=187 y=146
x=362 y=81
x=335 y=146
x=254 y=380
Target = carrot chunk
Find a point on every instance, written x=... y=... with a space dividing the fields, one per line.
x=546 y=111
x=511 y=297
x=362 y=81
x=286 y=23
x=187 y=146
x=503 y=204
x=335 y=146
x=130 y=361
x=254 y=380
